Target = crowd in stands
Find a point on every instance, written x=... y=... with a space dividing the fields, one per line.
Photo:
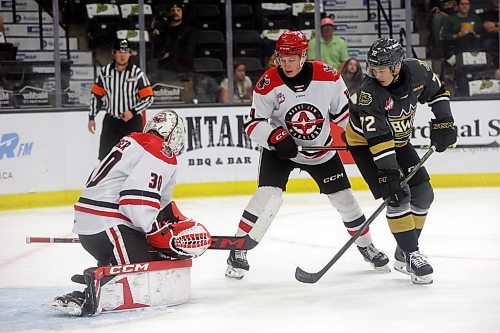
x=180 y=32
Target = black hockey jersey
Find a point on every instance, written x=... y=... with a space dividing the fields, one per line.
x=383 y=116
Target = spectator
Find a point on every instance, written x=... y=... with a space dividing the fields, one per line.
x=352 y=75
x=243 y=86
x=461 y=31
x=205 y=88
x=439 y=10
x=125 y=92
x=175 y=42
x=333 y=48
x=490 y=26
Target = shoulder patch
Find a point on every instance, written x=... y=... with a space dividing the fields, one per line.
x=365 y=98
x=324 y=72
x=423 y=63
x=268 y=81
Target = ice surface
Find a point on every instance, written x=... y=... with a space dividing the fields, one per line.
x=461 y=240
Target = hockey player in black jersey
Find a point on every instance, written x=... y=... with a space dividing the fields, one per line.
x=378 y=135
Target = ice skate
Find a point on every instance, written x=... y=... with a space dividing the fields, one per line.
x=376 y=258
x=400 y=261
x=237 y=264
x=420 y=270
x=71 y=303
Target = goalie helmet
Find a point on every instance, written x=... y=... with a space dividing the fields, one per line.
x=385 y=52
x=292 y=43
x=170 y=127
x=180 y=240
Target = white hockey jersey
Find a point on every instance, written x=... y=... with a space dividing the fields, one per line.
x=130 y=186
x=304 y=110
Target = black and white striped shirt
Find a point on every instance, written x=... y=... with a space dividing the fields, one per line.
x=117 y=92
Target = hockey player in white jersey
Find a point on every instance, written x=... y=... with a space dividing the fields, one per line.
x=293 y=105
x=126 y=206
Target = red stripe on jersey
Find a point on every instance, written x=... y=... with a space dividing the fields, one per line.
x=245 y=227
x=118 y=246
x=352 y=232
x=154 y=145
x=139 y=202
x=345 y=116
x=102 y=213
x=324 y=72
x=252 y=127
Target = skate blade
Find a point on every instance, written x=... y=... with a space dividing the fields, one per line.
x=401 y=267
x=74 y=310
x=426 y=279
x=235 y=273
x=382 y=269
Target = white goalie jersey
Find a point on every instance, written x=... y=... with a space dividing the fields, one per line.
x=130 y=186
x=303 y=109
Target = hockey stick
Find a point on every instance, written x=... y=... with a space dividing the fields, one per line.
x=493 y=144
x=218 y=242
x=321 y=148
x=306 y=277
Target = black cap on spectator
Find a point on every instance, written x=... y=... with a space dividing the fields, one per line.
x=121 y=45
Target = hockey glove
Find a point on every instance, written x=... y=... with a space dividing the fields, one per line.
x=283 y=143
x=390 y=187
x=443 y=134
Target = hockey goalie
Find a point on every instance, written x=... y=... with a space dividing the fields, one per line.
x=126 y=219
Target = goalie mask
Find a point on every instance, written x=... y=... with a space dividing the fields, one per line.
x=292 y=43
x=170 y=127
x=180 y=240
x=384 y=52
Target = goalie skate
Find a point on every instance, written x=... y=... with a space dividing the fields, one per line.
x=376 y=258
x=71 y=303
x=237 y=264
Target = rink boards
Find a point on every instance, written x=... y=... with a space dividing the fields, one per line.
x=46 y=157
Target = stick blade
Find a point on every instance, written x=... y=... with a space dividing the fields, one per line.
x=306 y=277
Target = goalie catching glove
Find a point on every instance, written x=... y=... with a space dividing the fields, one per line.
x=183 y=239
x=283 y=143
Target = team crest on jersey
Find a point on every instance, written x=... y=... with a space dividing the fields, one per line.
x=365 y=98
x=304 y=121
x=389 y=104
x=281 y=98
x=264 y=81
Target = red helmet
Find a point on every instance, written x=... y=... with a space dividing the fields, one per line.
x=291 y=43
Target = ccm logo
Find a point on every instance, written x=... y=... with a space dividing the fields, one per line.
x=332 y=178
x=280 y=136
x=129 y=268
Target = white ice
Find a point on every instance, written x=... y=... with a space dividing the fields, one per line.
x=461 y=240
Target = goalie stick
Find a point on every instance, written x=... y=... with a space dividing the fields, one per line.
x=307 y=277
x=218 y=242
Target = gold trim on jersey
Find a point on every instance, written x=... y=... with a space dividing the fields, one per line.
x=382 y=147
x=353 y=137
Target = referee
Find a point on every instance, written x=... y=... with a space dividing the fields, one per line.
x=124 y=92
